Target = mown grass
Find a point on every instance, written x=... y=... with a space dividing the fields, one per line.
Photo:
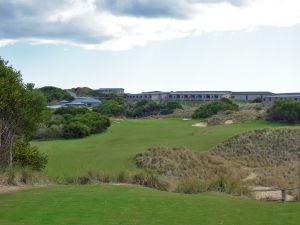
x=114 y=205
x=114 y=150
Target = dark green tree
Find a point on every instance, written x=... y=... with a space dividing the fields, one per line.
x=21 y=110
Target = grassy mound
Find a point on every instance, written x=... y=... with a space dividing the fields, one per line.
x=272 y=155
x=181 y=162
x=237 y=117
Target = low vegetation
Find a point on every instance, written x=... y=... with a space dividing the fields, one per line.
x=72 y=122
x=285 y=110
x=240 y=116
x=212 y=108
x=111 y=108
x=54 y=94
x=145 y=108
x=273 y=155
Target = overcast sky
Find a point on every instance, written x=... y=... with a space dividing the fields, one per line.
x=145 y=45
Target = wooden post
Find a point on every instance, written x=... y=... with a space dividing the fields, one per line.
x=283 y=194
x=299 y=193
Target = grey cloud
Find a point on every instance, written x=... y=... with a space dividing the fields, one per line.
x=156 y=8
x=27 y=21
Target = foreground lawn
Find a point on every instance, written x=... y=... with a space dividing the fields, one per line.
x=112 y=205
x=114 y=150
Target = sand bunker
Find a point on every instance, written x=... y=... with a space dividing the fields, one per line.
x=201 y=124
x=227 y=122
x=185 y=119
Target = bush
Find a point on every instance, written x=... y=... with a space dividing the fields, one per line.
x=285 y=111
x=213 y=108
x=28 y=156
x=71 y=111
x=150 y=180
x=191 y=185
x=111 y=108
x=257 y=100
x=71 y=122
x=229 y=185
x=76 y=130
x=145 y=108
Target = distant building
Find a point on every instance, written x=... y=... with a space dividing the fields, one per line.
x=78 y=102
x=84 y=102
x=249 y=96
x=180 y=95
x=270 y=99
x=118 y=91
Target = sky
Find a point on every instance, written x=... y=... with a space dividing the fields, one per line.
x=148 y=45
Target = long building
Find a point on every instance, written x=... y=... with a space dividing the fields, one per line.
x=250 y=96
x=180 y=95
x=270 y=99
x=267 y=97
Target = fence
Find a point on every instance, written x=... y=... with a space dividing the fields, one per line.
x=278 y=194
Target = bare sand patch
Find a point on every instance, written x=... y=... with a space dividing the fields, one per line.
x=186 y=119
x=7 y=189
x=270 y=193
x=201 y=124
x=227 y=122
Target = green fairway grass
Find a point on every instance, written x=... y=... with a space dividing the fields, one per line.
x=114 y=150
x=122 y=205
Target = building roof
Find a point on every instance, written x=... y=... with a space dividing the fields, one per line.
x=284 y=95
x=184 y=92
x=200 y=92
x=107 y=89
x=253 y=93
x=54 y=106
x=86 y=100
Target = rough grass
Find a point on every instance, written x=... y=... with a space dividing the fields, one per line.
x=114 y=150
x=112 y=205
x=241 y=116
x=272 y=154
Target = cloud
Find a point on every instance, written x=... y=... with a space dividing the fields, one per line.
x=122 y=24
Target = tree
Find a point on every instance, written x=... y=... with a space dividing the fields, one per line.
x=54 y=94
x=21 y=110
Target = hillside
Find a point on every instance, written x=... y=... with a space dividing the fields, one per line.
x=272 y=155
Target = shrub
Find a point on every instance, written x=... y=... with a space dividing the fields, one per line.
x=28 y=156
x=191 y=185
x=71 y=110
x=145 y=108
x=213 y=108
x=72 y=122
x=285 y=110
x=229 y=185
x=150 y=180
x=76 y=130
x=111 y=108
x=257 y=100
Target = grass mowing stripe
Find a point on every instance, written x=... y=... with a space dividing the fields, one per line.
x=110 y=205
